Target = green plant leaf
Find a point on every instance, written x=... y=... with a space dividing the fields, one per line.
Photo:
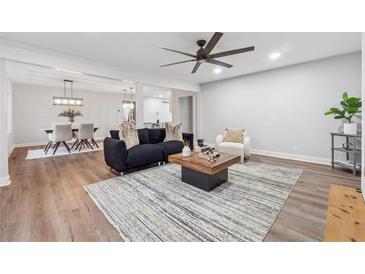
x=353 y=100
x=333 y=111
x=344 y=104
x=355 y=105
x=350 y=107
x=353 y=110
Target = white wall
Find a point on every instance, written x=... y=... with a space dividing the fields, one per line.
x=175 y=107
x=282 y=110
x=4 y=148
x=9 y=99
x=33 y=110
x=186 y=113
x=156 y=108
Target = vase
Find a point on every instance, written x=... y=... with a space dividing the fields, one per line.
x=186 y=152
x=350 y=128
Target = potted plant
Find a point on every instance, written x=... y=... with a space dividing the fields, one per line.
x=70 y=114
x=350 y=107
x=186 y=152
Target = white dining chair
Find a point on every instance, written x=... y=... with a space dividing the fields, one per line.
x=85 y=132
x=61 y=133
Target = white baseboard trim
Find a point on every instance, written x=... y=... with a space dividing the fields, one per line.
x=5 y=181
x=289 y=156
x=41 y=143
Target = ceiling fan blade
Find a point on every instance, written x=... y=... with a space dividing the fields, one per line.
x=219 y=63
x=180 y=52
x=213 y=41
x=231 y=52
x=197 y=65
x=192 y=60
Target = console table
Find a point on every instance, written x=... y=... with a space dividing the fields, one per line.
x=354 y=151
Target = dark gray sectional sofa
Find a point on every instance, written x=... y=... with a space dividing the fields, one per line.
x=152 y=149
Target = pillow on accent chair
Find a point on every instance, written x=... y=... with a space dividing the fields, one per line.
x=128 y=133
x=234 y=135
x=173 y=132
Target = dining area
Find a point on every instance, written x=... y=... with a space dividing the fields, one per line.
x=56 y=124
x=72 y=137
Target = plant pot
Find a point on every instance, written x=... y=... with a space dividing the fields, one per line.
x=186 y=152
x=350 y=128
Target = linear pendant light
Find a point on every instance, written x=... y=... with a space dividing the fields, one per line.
x=67 y=101
x=131 y=104
x=125 y=104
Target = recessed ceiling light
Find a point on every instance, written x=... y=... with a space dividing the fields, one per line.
x=275 y=55
x=217 y=70
x=160 y=95
x=128 y=82
x=69 y=71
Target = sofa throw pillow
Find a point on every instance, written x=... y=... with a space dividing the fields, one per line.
x=234 y=135
x=128 y=133
x=173 y=132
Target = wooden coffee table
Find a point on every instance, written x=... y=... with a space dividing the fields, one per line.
x=201 y=173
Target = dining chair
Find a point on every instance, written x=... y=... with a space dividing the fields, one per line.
x=85 y=132
x=61 y=133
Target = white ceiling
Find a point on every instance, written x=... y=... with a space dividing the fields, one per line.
x=151 y=91
x=22 y=73
x=141 y=51
x=43 y=76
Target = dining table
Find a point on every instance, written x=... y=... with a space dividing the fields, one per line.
x=74 y=131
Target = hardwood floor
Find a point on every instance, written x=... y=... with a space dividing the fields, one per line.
x=303 y=217
x=345 y=215
x=46 y=200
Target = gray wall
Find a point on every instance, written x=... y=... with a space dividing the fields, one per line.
x=282 y=110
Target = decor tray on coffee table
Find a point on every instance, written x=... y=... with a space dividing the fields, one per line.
x=202 y=173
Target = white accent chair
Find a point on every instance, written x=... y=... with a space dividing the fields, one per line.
x=85 y=132
x=242 y=150
x=61 y=133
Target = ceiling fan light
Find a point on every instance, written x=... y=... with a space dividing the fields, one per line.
x=203 y=55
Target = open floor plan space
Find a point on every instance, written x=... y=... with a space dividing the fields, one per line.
x=182 y=137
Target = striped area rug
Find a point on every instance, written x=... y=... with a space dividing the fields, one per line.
x=155 y=205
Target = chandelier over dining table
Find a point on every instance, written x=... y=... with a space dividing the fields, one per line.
x=65 y=100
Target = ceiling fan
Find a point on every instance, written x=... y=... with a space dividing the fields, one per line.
x=203 y=54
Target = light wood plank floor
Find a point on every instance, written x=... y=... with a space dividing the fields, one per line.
x=345 y=216
x=46 y=200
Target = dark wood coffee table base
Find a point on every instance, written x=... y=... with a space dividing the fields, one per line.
x=202 y=180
